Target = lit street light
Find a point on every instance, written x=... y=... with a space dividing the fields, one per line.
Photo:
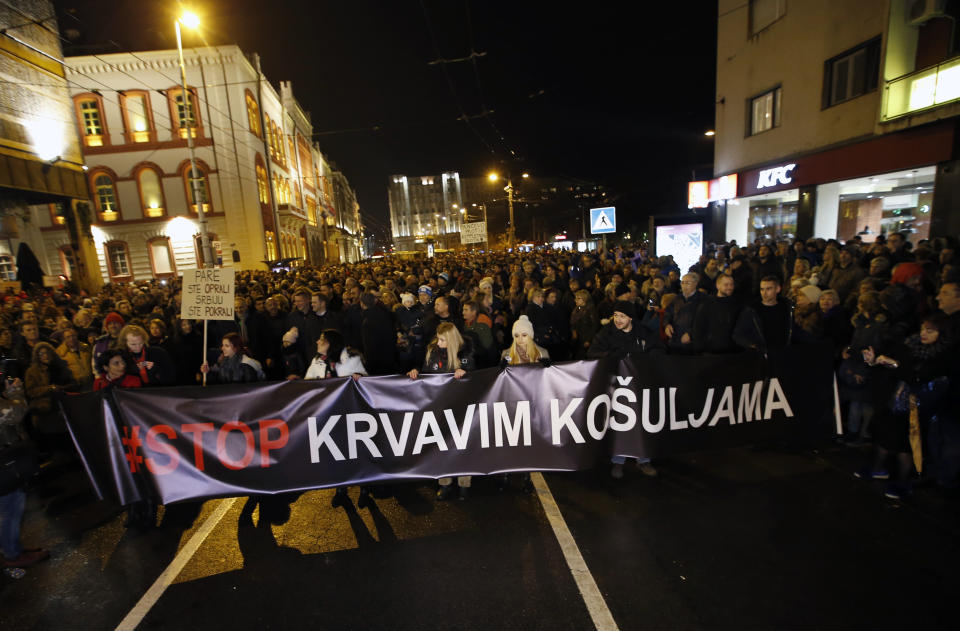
x=512 y=231
x=190 y=20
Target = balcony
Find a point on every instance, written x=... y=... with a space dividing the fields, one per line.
x=922 y=90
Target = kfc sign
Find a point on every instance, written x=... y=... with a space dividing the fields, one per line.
x=776 y=176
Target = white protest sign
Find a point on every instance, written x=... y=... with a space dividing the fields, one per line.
x=207 y=294
x=475 y=232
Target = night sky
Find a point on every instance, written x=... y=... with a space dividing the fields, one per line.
x=603 y=94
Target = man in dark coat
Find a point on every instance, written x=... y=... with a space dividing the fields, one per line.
x=379 y=337
x=307 y=324
x=441 y=313
x=679 y=317
x=619 y=337
x=765 y=323
x=716 y=319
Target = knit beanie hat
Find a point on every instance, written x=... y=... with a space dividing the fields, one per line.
x=626 y=308
x=112 y=317
x=290 y=337
x=523 y=325
x=812 y=292
x=425 y=289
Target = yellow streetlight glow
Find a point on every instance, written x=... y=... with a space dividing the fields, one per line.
x=710 y=132
x=526 y=175
x=190 y=19
x=493 y=177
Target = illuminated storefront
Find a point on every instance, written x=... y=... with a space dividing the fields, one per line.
x=876 y=187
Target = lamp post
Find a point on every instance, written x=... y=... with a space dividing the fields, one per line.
x=192 y=21
x=512 y=231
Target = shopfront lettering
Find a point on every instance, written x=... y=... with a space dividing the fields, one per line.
x=776 y=176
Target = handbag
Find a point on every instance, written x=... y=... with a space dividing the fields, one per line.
x=18 y=463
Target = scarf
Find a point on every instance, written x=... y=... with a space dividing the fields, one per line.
x=924 y=351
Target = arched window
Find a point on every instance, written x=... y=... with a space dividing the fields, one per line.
x=118 y=261
x=184 y=113
x=93 y=124
x=268 y=130
x=161 y=257
x=253 y=114
x=137 y=116
x=197 y=183
x=263 y=188
x=105 y=197
x=58 y=213
x=151 y=192
x=271 y=246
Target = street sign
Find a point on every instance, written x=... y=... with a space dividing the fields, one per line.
x=603 y=220
x=207 y=294
x=475 y=232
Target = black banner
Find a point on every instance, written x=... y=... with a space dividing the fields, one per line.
x=185 y=443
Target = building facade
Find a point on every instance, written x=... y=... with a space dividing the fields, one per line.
x=42 y=179
x=264 y=186
x=835 y=118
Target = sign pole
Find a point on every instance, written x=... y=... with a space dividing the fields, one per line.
x=204 y=351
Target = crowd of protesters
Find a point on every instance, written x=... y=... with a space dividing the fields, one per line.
x=890 y=310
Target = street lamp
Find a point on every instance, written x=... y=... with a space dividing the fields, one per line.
x=190 y=20
x=512 y=231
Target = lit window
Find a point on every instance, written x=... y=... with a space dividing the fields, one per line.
x=253 y=114
x=765 y=111
x=106 y=197
x=118 y=260
x=151 y=193
x=263 y=188
x=92 y=122
x=8 y=271
x=271 y=245
x=58 y=213
x=197 y=185
x=186 y=113
x=138 y=120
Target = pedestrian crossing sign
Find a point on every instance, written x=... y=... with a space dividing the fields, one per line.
x=603 y=220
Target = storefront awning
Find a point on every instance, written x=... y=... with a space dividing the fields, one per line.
x=40 y=182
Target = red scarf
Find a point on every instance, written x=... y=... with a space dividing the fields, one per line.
x=140 y=361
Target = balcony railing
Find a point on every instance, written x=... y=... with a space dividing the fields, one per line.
x=922 y=90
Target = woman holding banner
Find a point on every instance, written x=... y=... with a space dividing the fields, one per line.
x=448 y=352
x=234 y=365
x=334 y=359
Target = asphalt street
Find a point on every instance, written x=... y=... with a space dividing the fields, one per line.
x=755 y=538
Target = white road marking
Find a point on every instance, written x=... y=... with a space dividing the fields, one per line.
x=150 y=598
x=596 y=605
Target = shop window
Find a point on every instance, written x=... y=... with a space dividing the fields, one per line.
x=763 y=13
x=68 y=261
x=137 y=117
x=852 y=73
x=197 y=184
x=151 y=192
x=8 y=270
x=771 y=220
x=105 y=197
x=765 y=111
x=184 y=112
x=253 y=114
x=118 y=261
x=90 y=114
x=161 y=257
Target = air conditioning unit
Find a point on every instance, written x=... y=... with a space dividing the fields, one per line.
x=920 y=11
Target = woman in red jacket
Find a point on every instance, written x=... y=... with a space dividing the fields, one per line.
x=113 y=372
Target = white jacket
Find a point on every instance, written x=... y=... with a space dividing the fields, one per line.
x=348 y=365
